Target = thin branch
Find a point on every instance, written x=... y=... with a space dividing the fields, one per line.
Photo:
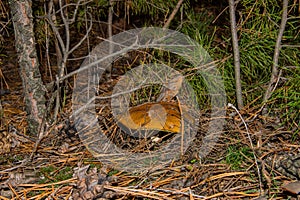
x=84 y=37
x=236 y=54
x=278 y=46
x=76 y=9
x=171 y=17
x=291 y=45
x=91 y=100
x=219 y=15
x=88 y=46
x=131 y=47
x=58 y=41
x=47 y=38
x=64 y=16
x=64 y=48
x=109 y=32
x=57 y=102
x=55 y=30
x=79 y=3
x=66 y=24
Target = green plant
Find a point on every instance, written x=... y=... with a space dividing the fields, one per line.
x=64 y=174
x=236 y=156
x=287 y=98
x=113 y=172
x=52 y=174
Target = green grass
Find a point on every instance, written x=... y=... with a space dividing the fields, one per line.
x=287 y=98
x=235 y=156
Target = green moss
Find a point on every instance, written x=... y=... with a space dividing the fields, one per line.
x=53 y=174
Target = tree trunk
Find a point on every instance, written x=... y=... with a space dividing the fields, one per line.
x=33 y=87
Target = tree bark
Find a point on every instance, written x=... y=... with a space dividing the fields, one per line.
x=33 y=87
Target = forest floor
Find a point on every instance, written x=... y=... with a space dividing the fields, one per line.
x=63 y=168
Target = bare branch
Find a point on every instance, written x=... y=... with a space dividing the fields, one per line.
x=133 y=46
x=63 y=46
x=84 y=37
x=55 y=30
x=79 y=3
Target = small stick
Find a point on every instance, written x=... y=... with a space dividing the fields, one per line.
x=171 y=17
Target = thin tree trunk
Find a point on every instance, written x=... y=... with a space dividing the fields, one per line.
x=109 y=31
x=33 y=87
x=275 y=73
x=236 y=54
